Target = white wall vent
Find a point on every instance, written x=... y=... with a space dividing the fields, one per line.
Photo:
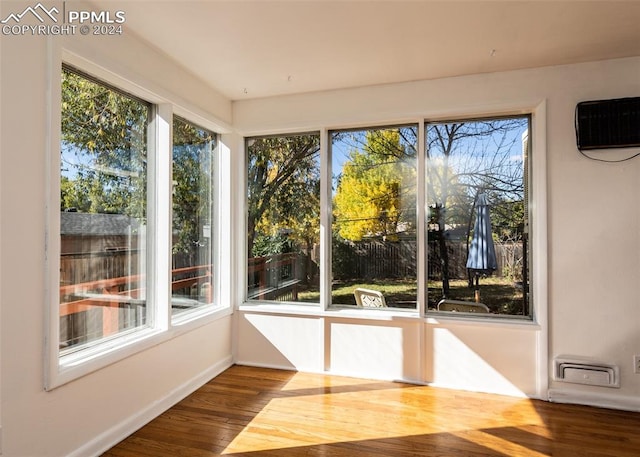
x=582 y=371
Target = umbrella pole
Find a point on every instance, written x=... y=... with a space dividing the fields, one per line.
x=477 y=291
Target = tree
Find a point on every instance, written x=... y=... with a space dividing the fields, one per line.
x=104 y=161
x=375 y=195
x=103 y=148
x=75 y=194
x=192 y=184
x=283 y=180
x=466 y=158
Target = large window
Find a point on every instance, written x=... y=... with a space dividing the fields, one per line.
x=374 y=225
x=137 y=219
x=442 y=226
x=103 y=211
x=283 y=218
x=192 y=245
x=478 y=221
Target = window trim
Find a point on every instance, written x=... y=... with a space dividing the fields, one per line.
x=61 y=369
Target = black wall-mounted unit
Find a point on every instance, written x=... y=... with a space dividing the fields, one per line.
x=602 y=124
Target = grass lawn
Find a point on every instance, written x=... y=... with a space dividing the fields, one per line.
x=394 y=290
x=499 y=294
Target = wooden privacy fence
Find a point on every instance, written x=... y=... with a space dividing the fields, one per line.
x=509 y=257
x=397 y=259
x=385 y=259
x=93 y=266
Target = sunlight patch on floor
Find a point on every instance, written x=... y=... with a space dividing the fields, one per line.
x=312 y=419
x=304 y=381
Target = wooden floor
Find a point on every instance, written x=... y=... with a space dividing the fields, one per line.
x=261 y=412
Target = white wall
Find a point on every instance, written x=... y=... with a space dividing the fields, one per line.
x=81 y=417
x=592 y=222
x=485 y=357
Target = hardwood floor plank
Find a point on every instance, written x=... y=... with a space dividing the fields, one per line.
x=261 y=412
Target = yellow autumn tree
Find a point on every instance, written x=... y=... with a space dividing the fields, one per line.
x=375 y=188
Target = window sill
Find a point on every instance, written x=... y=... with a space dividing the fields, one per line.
x=201 y=316
x=74 y=365
x=433 y=318
x=496 y=320
x=313 y=310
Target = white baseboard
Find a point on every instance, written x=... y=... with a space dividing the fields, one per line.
x=274 y=366
x=600 y=400
x=119 y=432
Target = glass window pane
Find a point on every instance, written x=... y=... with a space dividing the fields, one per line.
x=374 y=242
x=478 y=218
x=103 y=195
x=283 y=220
x=192 y=246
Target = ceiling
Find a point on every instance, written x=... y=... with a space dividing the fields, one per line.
x=250 y=49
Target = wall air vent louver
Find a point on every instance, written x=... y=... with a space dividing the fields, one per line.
x=582 y=371
x=603 y=124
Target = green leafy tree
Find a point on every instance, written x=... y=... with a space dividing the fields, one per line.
x=103 y=148
x=283 y=188
x=75 y=194
x=192 y=184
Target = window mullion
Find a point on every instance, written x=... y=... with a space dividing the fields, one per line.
x=223 y=215
x=325 y=220
x=421 y=202
x=159 y=214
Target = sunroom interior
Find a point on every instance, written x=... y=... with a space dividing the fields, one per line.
x=347 y=77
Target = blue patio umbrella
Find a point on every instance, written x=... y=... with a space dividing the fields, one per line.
x=481 y=259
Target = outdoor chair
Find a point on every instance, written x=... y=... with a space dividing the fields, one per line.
x=462 y=306
x=367 y=298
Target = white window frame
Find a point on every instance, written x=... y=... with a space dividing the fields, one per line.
x=203 y=310
x=328 y=214
x=529 y=318
x=536 y=110
x=160 y=327
x=245 y=275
